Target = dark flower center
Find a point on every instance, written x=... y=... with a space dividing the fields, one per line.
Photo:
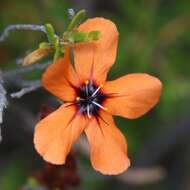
x=90 y=98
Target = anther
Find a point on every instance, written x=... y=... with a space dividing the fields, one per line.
x=96 y=91
x=86 y=87
x=101 y=85
x=87 y=82
x=77 y=98
x=100 y=106
x=105 y=108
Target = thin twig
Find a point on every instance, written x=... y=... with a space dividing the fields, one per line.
x=25 y=69
x=3 y=100
x=32 y=86
x=9 y=28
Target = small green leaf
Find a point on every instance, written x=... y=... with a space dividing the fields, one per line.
x=94 y=35
x=56 y=43
x=78 y=37
x=50 y=33
x=76 y=20
x=57 y=53
x=44 y=45
x=58 y=49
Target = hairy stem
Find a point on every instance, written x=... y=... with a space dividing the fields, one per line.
x=32 y=86
x=9 y=28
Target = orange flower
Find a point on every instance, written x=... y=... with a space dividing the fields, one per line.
x=90 y=102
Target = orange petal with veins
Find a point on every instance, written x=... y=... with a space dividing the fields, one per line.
x=94 y=59
x=55 y=134
x=132 y=95
x=108 y=146
x=60 y=78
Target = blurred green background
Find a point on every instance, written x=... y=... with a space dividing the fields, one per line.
x=154 y=38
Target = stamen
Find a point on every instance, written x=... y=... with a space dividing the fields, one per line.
x=96 y=91
x=88 y=112
x=100 y=106
x=78 y=98
x=89 y=98
x=86 y=87
x=87 y=82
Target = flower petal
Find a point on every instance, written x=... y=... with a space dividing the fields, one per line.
x=108 y=146
x=55 y=134
x=60 y=78
x=94 y=59
x=133 y=95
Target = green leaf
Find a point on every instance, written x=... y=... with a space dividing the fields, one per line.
x=58 y=49
x=94 y=35
x=78 y=37
x=76 y=20
x=50 y=33
x=44 y=45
